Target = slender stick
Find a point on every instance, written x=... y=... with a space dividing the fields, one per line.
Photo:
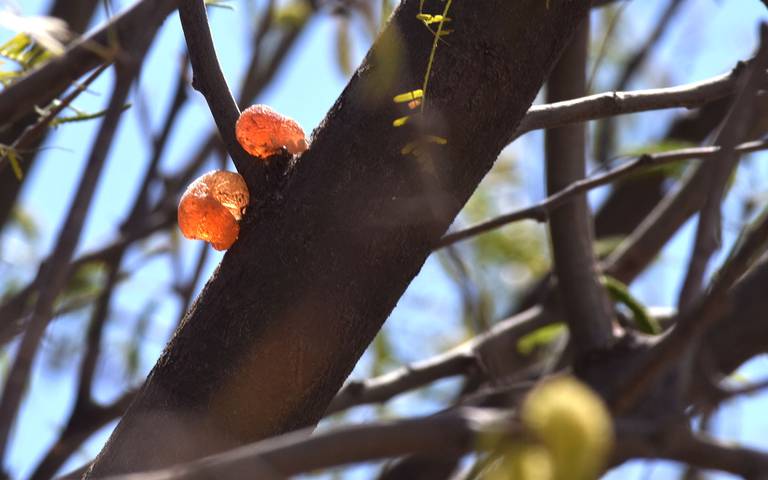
x=541 y=211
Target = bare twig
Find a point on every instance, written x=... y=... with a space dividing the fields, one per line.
x=541 y=211
x=589 y=315
x=294 y=453
x=79 y=427
x=735 y=127
x=602 y=105
x=381 y=389
x=492 y=352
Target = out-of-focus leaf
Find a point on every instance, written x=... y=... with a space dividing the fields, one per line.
x=87 y=280
x=605 y=246
x=539 y=338
x=48 y=33
x=383 y=357
x=13 y=159
x=673 y=170
x=292 y=14
x=26 y=223
x=133 y=348
x=24 y=51
x=620 y=293
x=343 y=46
x=574 y=425
x=225 y=4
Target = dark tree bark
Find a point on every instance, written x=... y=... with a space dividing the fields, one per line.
x=319 y=267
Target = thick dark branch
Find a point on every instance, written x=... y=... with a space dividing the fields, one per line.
x=354 y=208
x=571 y=233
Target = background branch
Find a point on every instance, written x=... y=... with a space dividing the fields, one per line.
x=589 y=314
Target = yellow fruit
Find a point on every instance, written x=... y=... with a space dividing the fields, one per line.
x=573 y=423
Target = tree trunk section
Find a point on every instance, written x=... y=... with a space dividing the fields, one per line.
x=318 y=268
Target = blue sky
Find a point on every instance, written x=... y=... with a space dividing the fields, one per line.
x=305 y=89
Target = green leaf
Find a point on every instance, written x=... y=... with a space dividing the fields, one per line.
x=539 y=338
x=399 y=122
x=23 y=50
x=13 y=159
x=620 y=293
x=293 y=14
x=343 y=47
x=225 y=4
x=26 y=223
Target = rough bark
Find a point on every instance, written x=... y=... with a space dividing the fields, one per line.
x=321 y=265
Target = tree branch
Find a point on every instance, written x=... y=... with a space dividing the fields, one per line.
x=209 y=80
x=456 y=431
x=354 y=208
x=541 y=211
x=681 y=445
x=602 y=105
x=588 y=310
x=493 y=353
x=735 y=128
x=697 y=319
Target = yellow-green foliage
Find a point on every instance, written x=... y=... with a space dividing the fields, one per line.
x=574 y=426
x=523 y=461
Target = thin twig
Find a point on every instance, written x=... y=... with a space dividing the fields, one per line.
x=78 y=426
x=607 y=104
x=489 y=352
x=541 y=211
x=681 y=445
x=383 y=388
